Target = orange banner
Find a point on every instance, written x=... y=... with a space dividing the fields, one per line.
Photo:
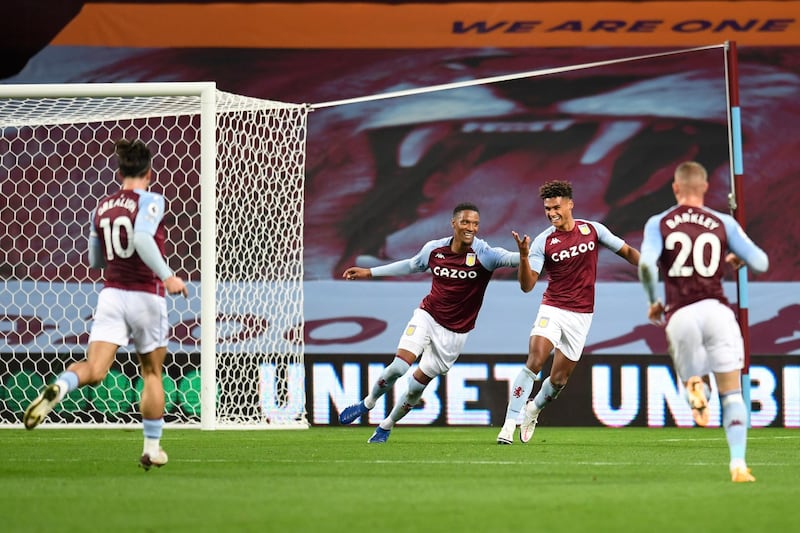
x=455 y=25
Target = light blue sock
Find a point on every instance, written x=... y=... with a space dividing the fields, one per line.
x=390 y=374
x=152 y=435
x=546 y=394
x=67 y=382
x=153 y=428
x=734 y=420
x=520 y=392
x=406 y=402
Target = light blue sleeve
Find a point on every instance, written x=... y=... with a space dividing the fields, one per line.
x=494 y=257
x=536 y=255
x=740 y=244
x=652 y=245
x=96 y=259
x=151 y=212
x=398 y=268
x=606 y=238
x=418 y=263
x=148 y=252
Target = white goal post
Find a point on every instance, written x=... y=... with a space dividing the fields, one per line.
x=232 y=169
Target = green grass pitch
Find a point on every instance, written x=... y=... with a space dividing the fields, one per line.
x=424 y=479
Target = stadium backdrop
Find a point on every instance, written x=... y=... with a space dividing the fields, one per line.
x=284 y=52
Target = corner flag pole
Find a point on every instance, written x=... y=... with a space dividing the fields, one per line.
x=736 y=204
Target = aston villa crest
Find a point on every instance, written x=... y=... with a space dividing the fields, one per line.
x=584 y=229
x=471 y=257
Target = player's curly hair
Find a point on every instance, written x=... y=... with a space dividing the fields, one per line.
x=554 y=189
x=465 y=206
x=133 y=158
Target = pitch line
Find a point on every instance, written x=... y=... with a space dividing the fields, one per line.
x=428 y=462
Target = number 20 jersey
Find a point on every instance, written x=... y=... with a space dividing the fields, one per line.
x=691 y=244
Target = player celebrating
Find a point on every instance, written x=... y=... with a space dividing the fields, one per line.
x=567 y=251
x=462 y=266
x=127 y=239
x=688 y=243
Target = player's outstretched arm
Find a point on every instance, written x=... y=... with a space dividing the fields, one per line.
x=744 y=249
x=648 y=269
x=630 y=254
x=357 y=273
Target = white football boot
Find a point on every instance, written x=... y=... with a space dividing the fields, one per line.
x=40 y=407
x=158 y=460
x=506 y=435
x=529 y=419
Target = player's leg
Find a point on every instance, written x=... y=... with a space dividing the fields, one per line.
x=152 y=407
x=574 y=328
x=554 y=383
x=397 y=368
x=551 y=387
x=416 y=386
x=734 y=421
x=146 y=315
x=437 y=359
x=108 y=333
x=725 y=349
x=99 y=357
x=415 y=339
x=698 y=392
x=543 y=337
x=685 y=333
x=539 y=349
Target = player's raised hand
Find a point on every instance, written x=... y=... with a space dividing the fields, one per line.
x=357 y=273
x=523 y=243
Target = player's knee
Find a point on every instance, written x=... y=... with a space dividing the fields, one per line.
x=535 y=362
x=397 y=368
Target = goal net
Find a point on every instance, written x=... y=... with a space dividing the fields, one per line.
x=232 y=171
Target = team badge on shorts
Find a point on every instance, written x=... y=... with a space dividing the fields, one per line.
x=584 y=229
x=543 y=322
x=471 y=259
x=410 y=330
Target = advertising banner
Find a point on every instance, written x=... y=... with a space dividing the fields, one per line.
x=444 y=25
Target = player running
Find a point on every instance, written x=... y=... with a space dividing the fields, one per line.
x=127 y=240
x=688 y=243
x=462 y=266
x=567 y=251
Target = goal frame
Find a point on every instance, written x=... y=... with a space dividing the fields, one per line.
x=207 y=93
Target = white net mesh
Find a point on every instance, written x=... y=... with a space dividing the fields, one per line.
x=56 y=162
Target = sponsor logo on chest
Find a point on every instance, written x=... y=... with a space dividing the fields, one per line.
x=574 y=250
x=453 y=272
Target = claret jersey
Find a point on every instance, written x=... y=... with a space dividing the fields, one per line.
x=570 y=260
x=459 y=280
x=114 y=222
x=689 y=244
